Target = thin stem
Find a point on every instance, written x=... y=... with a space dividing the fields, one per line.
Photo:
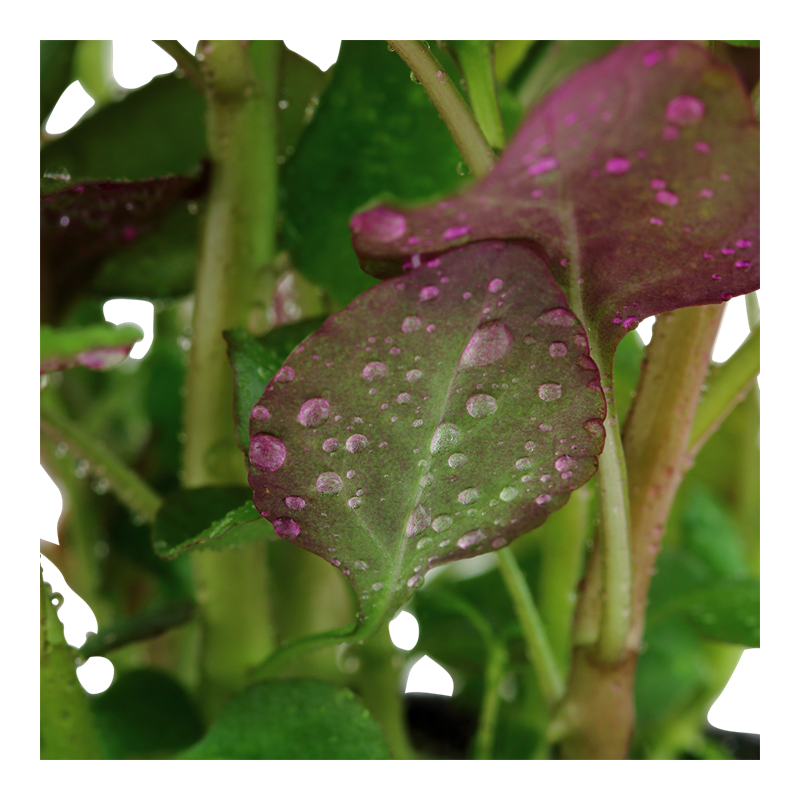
x=476 y=60
x=727 y=387
x=123 y=481
x=496 y=665
x=537 y=646
x=187 y=63
x=753 y=309
x=458 y=117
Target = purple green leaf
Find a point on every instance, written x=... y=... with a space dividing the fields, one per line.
x=440 y=416
x=99 y=347
x=637 y=180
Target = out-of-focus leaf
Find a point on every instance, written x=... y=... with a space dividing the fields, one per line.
x=375 y=131
x=397 y=438
x=293 y=720
x=98 y=347
x=744 y=42
x=200 y=518
x=146 y=713
x=153 y=131
x=637 y=179
x=93 y=68
x=508 y=55
x=55 y=72
x=255 y=362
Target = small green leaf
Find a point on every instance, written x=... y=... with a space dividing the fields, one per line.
x=201 y=517
x=255 y=362
x=146 y=714
x=55 y=72
x=100 y=346
x=293 y=720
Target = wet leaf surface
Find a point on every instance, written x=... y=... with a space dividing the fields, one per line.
x=441 y=415
x=293 y=719
x=101 y=346
x=637 y=179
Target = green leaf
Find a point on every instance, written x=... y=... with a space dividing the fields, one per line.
x=98 y=346
x=395 y=438
x=375 y=131
x=293 y=720
x=255 y=362
x=55 y=72
x=146 y=713
x=208 y=518
x=728 y=611
x=153 y=131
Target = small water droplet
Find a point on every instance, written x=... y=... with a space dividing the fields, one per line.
x=549 y=391
x=560 y=317
x=414 y=580
x=470 y=539
x=457 y=460
x=543 y=498
x=411 y=324
x=295 y=503
x=617 y=166
x=286 y=528
x=468 y=496
x=267 y=452
x=496 y=286
x=487 y=344
x=508 y=494
x=413 y=375
x=523 y=464
x=362 y=565
x=456 y=232
x=356 y=443
x=546 y=164
x=314 y=412
x=685 y=110
x=558 y=349
x=259 y=412
x=419 y=520
x=429 y=293
x=373 y=370
x=284 y=375
x=380 y=224
x=329 y=483
x=417 y=423
x=403 y=397
x=667 y=198
x=330 y=445
x=481 y=405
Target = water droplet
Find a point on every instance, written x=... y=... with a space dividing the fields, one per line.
x=295 y=503
x=457 y=232
x=742 y=264
x=329 y=483
x=470 y=539
x=284 y=375
x=468 y=496
x=667 y=198
x=330 y=445
x=560 y=317
x=742 y=243
x=462 y=168
x=259 y=412
x=657 y=184
x=564 y=463
x=267 y=452
x=442 y=523
x=446 y=437
x=481 y=405
x=314 y=412
x=549 y=391
x=499 y=542
x=413 y=375
x=362 y=565
x=523 y=464
x=558 y=349
x=496 y=286
x=617 y=166
x=685 y=110
x=414 y=580
x=457 y=460
x=702 y=147
x=403 y=397
x=351 y=473
x=373 y=370
x=508 y=494
x=530 y=446
x=546 y=164
x=380 y=224
x=419 y=520
x=286 y=528
x=543 y=498
x=428 y=293
x=487 y=344
x=411 y=324
x=417 y=423
x=356 y=443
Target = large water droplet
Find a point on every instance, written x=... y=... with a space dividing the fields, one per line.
x=419 y=520
x=314 y=412
x=373 y=370
x=564 y=463
x=330 y=445
x=413 y=375
x=481 y=405
x=286 y=528
x=356 y=443
x=457 y=460
x=685 y=110
x=487 y=344
x=267 y=452
x=380 y=224
x=468 y=496
x=329 y=483
x=446 y=437
x=403 y=397
x=442 y=523
x=295 y=503
x=411 y=324
x=508 y=494
x=549 y=391
x=523 y=464
x=470 y=539
x=561 y=317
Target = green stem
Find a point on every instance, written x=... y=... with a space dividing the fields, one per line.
x=237 y=243
x=476 y=60
x=496 y=665
x=135 y=493
x=449 y=103
x=537 y=646
x=187 y=63
x=753 y=309
x=727 y=387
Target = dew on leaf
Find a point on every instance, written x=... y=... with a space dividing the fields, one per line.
x=413 y=375
x=508 y=494
x=330 y=445
x=558 y=349
x=356 y=443
x=380 y=224
x=543 y=498
x=530 y=446
x=295 y=503
x=286 y=528
x=445 y=438
x=468 y=496
x=546 y=164
x=685 y=110
x=457 y=460
x=267 y=452
x=470 y=539
x=411 y=324
x=373 y=370
x=403 y=397
x=564 y=462
x=456 y=232
x=523 y=464
x=428 y=293
x=419 y=520
x=560 y=317
x=259 y=412
x=496 y=285
x=481 y=405
x=617 y=166
x=487 y=344
x=442 y=523
x=362 y=565
x=329 y=483
x=549 y=391
x=284 y=375
x=314 y=412
x=667 y=198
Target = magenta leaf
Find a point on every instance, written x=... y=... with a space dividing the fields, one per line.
x=439 y=416
x=637 y=180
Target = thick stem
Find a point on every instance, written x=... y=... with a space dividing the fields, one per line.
x=449 y=103
x=496 y=665
x=187 y=63
x=537 y=647
x=237 y=243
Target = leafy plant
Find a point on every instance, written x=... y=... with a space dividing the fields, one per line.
x=403 y=310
